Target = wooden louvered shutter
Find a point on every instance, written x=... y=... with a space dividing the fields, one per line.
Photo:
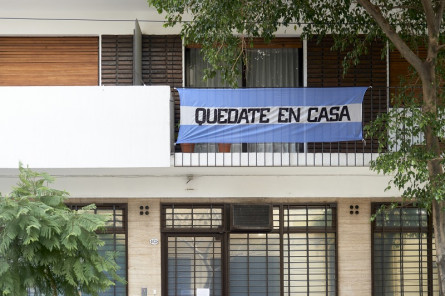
x=48 y=61
x=324 y=69
x=399 y=68
x=117 y=60
x=401 y=74
x=162 y=60
x=162 y=63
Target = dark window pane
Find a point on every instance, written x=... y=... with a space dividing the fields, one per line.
x=403 y=253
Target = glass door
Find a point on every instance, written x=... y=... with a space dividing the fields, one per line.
x=194 y=265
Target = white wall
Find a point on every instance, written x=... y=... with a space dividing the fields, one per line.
x=83 y=17
x=85 y=127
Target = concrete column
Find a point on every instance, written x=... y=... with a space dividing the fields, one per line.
x=144 y=258
x=354 y=247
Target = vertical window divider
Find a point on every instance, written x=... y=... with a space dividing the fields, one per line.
x=211 y=216
x=419 y=245
x=193 y=216
x=307 y=250
x=402 y=275
x=213 y=265
x=194 y=262
x=326 y=248
x=173 y=215
x=248 y=264
x=225 y=258
x=176 y=266
x=267 y=264
x=281 y=230
x=383 y=247
x=430 y=254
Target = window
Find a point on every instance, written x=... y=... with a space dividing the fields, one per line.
x=275 y=64
x=202 y=255
x=115 y=238
x=278 y=64
x=403 y=253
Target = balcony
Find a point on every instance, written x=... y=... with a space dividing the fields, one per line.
x=85 y=127
x=131 y=127
x=339 y=154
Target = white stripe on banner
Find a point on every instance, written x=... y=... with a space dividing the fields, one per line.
x=271 y=115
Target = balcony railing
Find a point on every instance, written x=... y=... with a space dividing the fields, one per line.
x=356 y=154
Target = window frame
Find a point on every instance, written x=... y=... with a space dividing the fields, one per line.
x=225 y=232
x=259 y=43
x=428 y=230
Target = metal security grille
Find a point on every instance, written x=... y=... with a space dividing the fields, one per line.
x=254 y=264
x=403 y=252
x=310 y=250
x=115 y=238
x=201 y=255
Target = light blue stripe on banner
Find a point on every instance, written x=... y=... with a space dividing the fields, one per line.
x=257 y=97
x=273 y=133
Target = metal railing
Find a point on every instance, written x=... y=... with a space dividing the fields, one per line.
x=353 y=153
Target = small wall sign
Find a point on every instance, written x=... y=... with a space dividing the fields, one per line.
x=154 y=241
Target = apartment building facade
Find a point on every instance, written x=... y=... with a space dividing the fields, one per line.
x=88 y=95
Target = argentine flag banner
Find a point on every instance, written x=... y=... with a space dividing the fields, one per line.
x=268 y=115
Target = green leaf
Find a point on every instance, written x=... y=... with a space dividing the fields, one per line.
x=48 y=247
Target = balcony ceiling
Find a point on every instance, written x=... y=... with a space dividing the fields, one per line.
x=74 y=5
x=79 y=17
x=54 y=17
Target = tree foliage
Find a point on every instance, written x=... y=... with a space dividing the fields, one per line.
x=403 y=150
x=46 y=247
x=225 y=28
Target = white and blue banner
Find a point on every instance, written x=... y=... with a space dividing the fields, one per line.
x=268 y=115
